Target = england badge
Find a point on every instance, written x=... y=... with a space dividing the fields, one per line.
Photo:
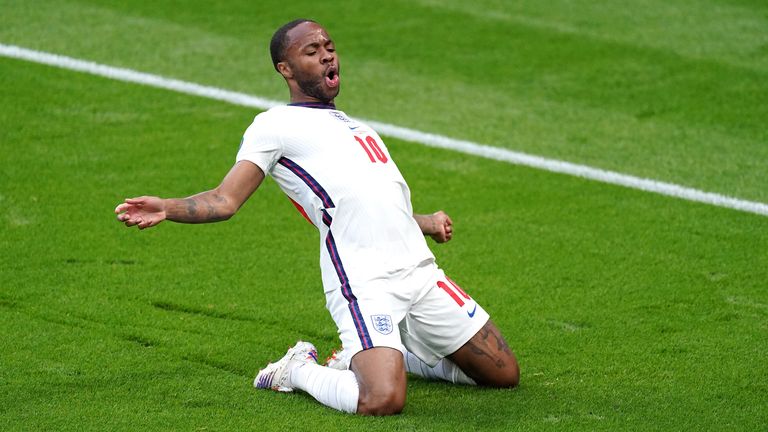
x=382 y=323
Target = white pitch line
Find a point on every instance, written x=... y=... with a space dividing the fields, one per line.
x=411 y=135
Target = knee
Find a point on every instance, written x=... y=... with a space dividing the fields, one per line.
x=386 y=402
x=511 y=377
x=507 y=377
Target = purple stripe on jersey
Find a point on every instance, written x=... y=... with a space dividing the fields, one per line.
x=319 y=105
x=346 y=291
x=308 y=180
x=327 y=219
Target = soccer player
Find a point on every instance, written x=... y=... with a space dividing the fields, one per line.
x=395 y=309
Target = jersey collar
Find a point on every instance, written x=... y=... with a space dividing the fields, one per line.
x=318 y=105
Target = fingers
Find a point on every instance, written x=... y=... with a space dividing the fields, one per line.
x=137 y=201
x=127 y=217
x=130 y=203
x=127 y=212
x=122 y=207
x=138 y=222
x=142 y=212
x=445 y=227
x=147 y=223
x=441 y=236
x=443 y=218
x=448 y=224
x=129 y=220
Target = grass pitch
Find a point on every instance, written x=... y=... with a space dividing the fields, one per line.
x=627 y=310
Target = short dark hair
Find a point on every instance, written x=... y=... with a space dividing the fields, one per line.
x=279 y=42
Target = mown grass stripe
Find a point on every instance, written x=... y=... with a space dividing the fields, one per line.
x=411 y=135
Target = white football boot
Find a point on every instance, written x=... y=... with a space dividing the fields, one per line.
x=276 y=376
x=339 y=359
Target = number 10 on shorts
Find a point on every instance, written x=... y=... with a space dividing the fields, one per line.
x=454 y=291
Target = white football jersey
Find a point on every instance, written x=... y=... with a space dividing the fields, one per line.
x=340 y=175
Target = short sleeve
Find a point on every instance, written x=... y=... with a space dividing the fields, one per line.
x=260 y=146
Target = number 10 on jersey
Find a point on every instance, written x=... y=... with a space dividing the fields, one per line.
x=372 y=149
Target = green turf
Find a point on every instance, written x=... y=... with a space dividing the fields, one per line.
x=627 y=310
x=668 y=90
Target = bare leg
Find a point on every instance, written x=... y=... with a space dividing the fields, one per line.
x=380 y=375
x=487 y=359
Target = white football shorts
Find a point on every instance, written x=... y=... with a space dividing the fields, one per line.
x=419 y=309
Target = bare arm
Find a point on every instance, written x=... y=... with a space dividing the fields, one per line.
x=210 y=206
x=436 y=225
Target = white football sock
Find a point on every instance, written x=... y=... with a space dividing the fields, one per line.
x=445 y=370
x=331 y=387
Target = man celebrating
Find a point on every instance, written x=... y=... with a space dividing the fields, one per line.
x=395 y=309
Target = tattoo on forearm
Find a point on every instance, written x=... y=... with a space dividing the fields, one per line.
x=191 y=206
x=211 y=210
x=201 y=208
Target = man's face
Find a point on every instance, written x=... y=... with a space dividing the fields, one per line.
x=312 y=58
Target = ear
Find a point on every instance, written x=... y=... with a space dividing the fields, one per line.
x=285 y=70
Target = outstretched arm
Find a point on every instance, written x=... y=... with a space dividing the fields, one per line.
x=436 y=225
x=211 y=206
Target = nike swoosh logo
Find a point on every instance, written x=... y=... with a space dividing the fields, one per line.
x=472 y=314
x=353 y=128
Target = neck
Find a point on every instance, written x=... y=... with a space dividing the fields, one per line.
x=298 y=97
x=317 y=104
x=301 y=98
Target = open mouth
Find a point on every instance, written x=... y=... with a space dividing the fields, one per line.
x=332 y=77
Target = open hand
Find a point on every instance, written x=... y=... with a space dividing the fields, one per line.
x=144 y=211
